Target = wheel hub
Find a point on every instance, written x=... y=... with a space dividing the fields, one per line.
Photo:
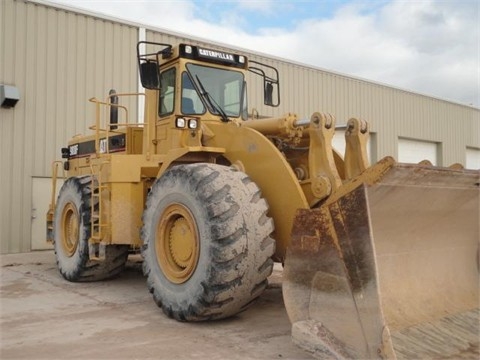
x=177 y=243
x=182 y=242
x=70 y=229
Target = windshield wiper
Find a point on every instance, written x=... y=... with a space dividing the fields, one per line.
x=211 y=101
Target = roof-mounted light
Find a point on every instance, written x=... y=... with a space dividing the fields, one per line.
x=188 y=49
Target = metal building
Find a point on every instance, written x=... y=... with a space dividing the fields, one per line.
x=55 y=58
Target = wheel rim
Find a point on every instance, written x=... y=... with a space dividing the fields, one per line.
x=177 y=243
x=70 y=229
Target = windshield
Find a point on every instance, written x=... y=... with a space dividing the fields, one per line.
x=225 y=87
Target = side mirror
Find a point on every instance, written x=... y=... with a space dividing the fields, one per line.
x=269 y=74
x=148 y=58
x=268 y=96
x=149 y=75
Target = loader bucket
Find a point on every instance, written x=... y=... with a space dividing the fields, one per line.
x=389 y=269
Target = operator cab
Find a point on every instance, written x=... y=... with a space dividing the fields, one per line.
x=211 y=83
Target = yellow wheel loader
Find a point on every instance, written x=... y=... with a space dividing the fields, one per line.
x=380 y=261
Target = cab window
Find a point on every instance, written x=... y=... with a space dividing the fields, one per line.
x=191 y=102
x=224 y=86
x=167 y=92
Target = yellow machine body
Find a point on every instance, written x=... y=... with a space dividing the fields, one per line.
x=380 y=261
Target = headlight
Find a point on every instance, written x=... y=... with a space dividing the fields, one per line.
x=192 y=123
x=180 y=123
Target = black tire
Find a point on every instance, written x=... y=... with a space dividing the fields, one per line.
x=223 y=215
x=72 y=229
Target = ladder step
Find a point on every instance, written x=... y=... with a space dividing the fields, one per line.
x=96 y=204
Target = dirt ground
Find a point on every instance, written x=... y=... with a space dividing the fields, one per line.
x=42 y=316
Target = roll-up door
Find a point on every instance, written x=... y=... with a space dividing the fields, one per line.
x=473 y=158
x=414 y=151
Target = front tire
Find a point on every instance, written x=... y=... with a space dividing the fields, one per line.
x=72 y=229
x=207 y=243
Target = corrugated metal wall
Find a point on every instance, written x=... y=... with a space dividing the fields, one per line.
x=58 y=59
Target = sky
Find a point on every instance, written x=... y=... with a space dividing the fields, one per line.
x=426 y=46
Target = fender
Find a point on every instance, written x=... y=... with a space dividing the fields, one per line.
x=265 y=165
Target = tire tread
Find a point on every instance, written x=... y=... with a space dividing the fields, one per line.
x=240 y=256
x=86 y=270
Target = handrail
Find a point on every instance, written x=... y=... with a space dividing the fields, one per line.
x=107 y=129
x=53 y=204
x=54 y=181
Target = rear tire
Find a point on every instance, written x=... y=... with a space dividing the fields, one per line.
x=207 y=243
x=72 y=229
